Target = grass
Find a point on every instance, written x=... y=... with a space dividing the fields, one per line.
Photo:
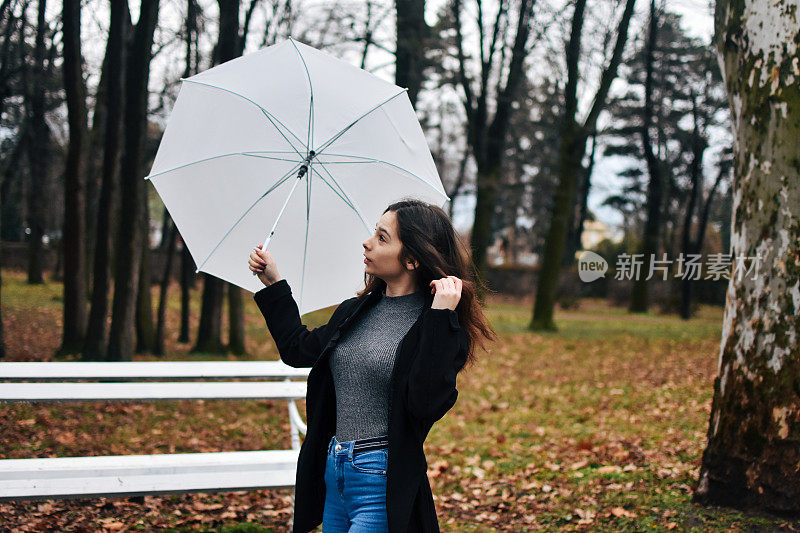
x=596 y=427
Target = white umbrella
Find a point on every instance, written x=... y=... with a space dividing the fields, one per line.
x=295 y=145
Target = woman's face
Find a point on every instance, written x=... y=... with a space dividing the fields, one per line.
x=382 y=250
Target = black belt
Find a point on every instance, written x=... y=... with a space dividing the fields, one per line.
x=372 y=443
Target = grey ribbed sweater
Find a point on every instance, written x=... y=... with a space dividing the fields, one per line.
x=362 y=363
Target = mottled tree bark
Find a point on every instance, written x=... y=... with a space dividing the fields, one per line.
x=753 y=450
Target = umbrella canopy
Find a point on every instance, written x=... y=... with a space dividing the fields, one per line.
x=294 y=147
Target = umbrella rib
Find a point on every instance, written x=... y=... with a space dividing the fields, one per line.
x=350 y=202
x=250 y=154
x=342 y=132
x=280 y=181
x=209 y=159
x=339 y=194
x=373 y=160
x=310 y=137
x=267 y=114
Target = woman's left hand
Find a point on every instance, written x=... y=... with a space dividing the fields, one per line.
x=447 y=292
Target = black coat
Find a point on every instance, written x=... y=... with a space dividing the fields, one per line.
x=423 y=389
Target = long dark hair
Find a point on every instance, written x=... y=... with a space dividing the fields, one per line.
x=428 y=237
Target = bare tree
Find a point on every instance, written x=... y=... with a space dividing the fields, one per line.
x=74 y=241
x=209 y=337
x=487 y=136
x=574 y=136
x=38 y=148
x=131 y=234
x=96 y=337
x=187 y=269
x=655 y=188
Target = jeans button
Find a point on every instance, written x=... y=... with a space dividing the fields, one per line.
x=338 y=447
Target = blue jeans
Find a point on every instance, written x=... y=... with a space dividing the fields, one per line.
x=355 y=487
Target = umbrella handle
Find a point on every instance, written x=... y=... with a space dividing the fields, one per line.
x=296 y=182
x=264 y=247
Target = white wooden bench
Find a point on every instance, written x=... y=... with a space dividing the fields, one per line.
x=135 y=475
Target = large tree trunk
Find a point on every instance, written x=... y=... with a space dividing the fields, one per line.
x=131 y=233
x=571 y=151
x=649 y=246
x=38 y=154
x=412 y=33
x=96 y=335
x=74 y=242
x=753 y=450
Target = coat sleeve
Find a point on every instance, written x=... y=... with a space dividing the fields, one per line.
x=443 y=349
x=298 y=347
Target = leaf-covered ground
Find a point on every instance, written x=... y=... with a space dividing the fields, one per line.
x=597 y=427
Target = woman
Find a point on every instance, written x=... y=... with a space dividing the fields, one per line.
x=383 y=370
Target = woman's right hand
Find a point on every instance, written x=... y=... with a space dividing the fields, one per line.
x=262 y=263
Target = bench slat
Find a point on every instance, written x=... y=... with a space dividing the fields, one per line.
x=128 y=475
x=149 y=369
x=43 y=392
